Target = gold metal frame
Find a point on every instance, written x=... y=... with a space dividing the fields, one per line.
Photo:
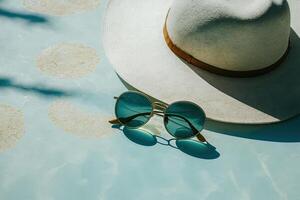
x=158 y=108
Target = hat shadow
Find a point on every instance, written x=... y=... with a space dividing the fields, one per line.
x=272 y=93
x=190 y=147
x=276 y=93
x=285 y=131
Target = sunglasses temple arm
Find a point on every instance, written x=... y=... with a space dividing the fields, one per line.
x=200 y=137
x=114 y=121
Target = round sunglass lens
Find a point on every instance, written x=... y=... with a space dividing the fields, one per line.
x=133 y=109
x=184 y=119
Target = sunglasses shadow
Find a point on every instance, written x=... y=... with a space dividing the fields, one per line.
x=191 y=147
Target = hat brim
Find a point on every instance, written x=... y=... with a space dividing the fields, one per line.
x=134 y=44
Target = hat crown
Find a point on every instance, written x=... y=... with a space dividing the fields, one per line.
x=231 y=34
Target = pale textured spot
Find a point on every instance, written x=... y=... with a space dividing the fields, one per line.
x=67 y=60
x=74 y=120
x=11 y=126
x=60 y=7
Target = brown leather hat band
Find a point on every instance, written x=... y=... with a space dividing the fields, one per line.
x=190 y=59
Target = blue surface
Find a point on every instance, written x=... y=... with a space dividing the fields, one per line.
x=252 y=162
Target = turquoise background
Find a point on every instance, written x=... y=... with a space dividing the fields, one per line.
x=252 y=162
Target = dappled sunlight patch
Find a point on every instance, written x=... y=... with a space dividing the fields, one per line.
x=75 y=120
x=60 y=7
x=68 y=60
x=11 y=126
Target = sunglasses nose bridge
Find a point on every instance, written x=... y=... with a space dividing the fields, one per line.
x=159 y=106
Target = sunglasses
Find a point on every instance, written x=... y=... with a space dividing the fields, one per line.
x=182 y=119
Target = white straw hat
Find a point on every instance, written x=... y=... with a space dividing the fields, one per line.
x=231 y=57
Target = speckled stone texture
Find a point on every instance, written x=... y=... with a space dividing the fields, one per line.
x=75 y=120
x=60 y=7
x=68 y=60
x=11 y=126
